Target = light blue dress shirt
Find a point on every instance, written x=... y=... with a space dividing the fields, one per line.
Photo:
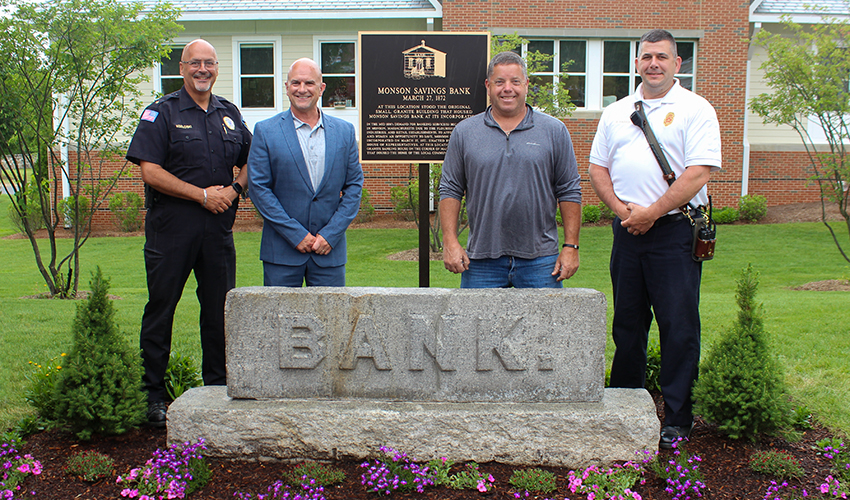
x=312 y=141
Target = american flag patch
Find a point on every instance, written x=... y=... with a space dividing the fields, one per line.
x=150 y=115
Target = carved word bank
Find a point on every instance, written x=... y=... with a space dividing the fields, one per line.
x=413 y=344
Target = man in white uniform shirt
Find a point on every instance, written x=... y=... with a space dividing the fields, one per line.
x=652 y=270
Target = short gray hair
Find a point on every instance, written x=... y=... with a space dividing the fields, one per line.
x=507 y=58
x=655 y=36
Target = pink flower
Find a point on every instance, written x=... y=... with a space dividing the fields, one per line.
x=482 y=487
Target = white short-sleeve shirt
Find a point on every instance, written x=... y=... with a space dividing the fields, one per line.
x=686 y=127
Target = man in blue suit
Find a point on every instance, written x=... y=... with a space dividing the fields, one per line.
x=305 y=180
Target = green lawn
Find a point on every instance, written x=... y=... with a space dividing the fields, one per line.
x=810 y=330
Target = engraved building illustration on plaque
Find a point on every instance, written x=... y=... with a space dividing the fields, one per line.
x=423 y=62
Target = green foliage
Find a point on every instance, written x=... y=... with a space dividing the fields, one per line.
x=606 y=212
x=726 y=215
x=367 y=210
x=76 y=210
x=535 y=480
x=806 y=69
x=802 y=418
x=127 y=210
x=41 y=381
x=470 y=478
x=542 y=93
x=325 y=475
x=780 y=464
x=29 y=205
x=89 y=466
x=99 y=388
x=181 y=375
x=752 y=207
x=590 y=214
x=741 y=385
x=405 y=200
x=596 y=482
x=838 y=452
x=653 y=366
x=94 y=54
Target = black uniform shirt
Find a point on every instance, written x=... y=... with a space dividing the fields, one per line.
x=198 y=147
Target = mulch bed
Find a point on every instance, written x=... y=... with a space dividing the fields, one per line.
x=724 y=466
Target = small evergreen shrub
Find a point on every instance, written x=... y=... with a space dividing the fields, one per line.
x=99 y=389
x=324 y=475
x=590 y=214
x=69 y=207
x=653 y=366
x=89 y=466
x=181 y=375
x=726 y=215
x=127 y=210
x=534 y=480
x=776 y=463
x=367 y=210
x=606 y=212
x=741 y=386
x=752 y=207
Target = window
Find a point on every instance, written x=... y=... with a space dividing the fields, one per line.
x=598 y=72
x=256 y=75
x=169 y=71
x=570 y=57
x=338 y=70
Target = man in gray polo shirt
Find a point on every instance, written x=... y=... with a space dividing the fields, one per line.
x=515 y=165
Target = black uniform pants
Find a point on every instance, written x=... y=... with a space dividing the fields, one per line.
x=182 y=237
x=654 y=272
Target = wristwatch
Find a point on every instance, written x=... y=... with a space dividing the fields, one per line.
x=237 y=187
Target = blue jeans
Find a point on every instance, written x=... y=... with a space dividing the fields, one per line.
x=507 y=271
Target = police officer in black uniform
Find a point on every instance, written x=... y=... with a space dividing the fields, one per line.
x=187 y=144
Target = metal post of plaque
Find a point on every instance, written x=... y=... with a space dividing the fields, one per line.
x=412 y=89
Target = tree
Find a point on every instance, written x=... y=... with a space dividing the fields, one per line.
x=808 y=71
x=69 y=75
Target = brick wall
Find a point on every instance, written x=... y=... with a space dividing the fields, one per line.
x=782 y=177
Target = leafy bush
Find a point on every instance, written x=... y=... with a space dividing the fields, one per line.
x=726 y=215
x=76 y=209
x=590 y=214
x=89 y=466
x=367 y=211
x=752 y=207
x=471 y=478
x=653 y=366
x=127 y=209
x=322 y=474
x=30 y=202
x=181 y=375
x=405 y=200
x=741 y=384
x=537 y=480
x=616 y=482
x=606 y=212
x=99 y=389
x=39 y=392
x=776 y=463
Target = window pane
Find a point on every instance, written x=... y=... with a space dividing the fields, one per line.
x=338 y=89
x=544 y=47
x=257 y=92
x=615 y=87
x=338 y=58
x=170 y=85
x=256 y=59
x=170 y=65
x=686 y=52
x=616 y=57
x=573 y=51
x=687 y=82
x=575 y=84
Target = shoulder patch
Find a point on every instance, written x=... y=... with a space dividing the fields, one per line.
x=150 y=115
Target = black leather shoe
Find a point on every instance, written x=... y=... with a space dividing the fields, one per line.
x=671 y=434
x=156 y=413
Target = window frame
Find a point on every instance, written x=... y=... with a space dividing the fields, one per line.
x=317 y=51
x=277 y=74
x=157 y=68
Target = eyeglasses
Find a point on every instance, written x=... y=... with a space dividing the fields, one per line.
x=196 y=64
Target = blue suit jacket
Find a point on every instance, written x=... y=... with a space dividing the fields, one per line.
x=281 y=190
